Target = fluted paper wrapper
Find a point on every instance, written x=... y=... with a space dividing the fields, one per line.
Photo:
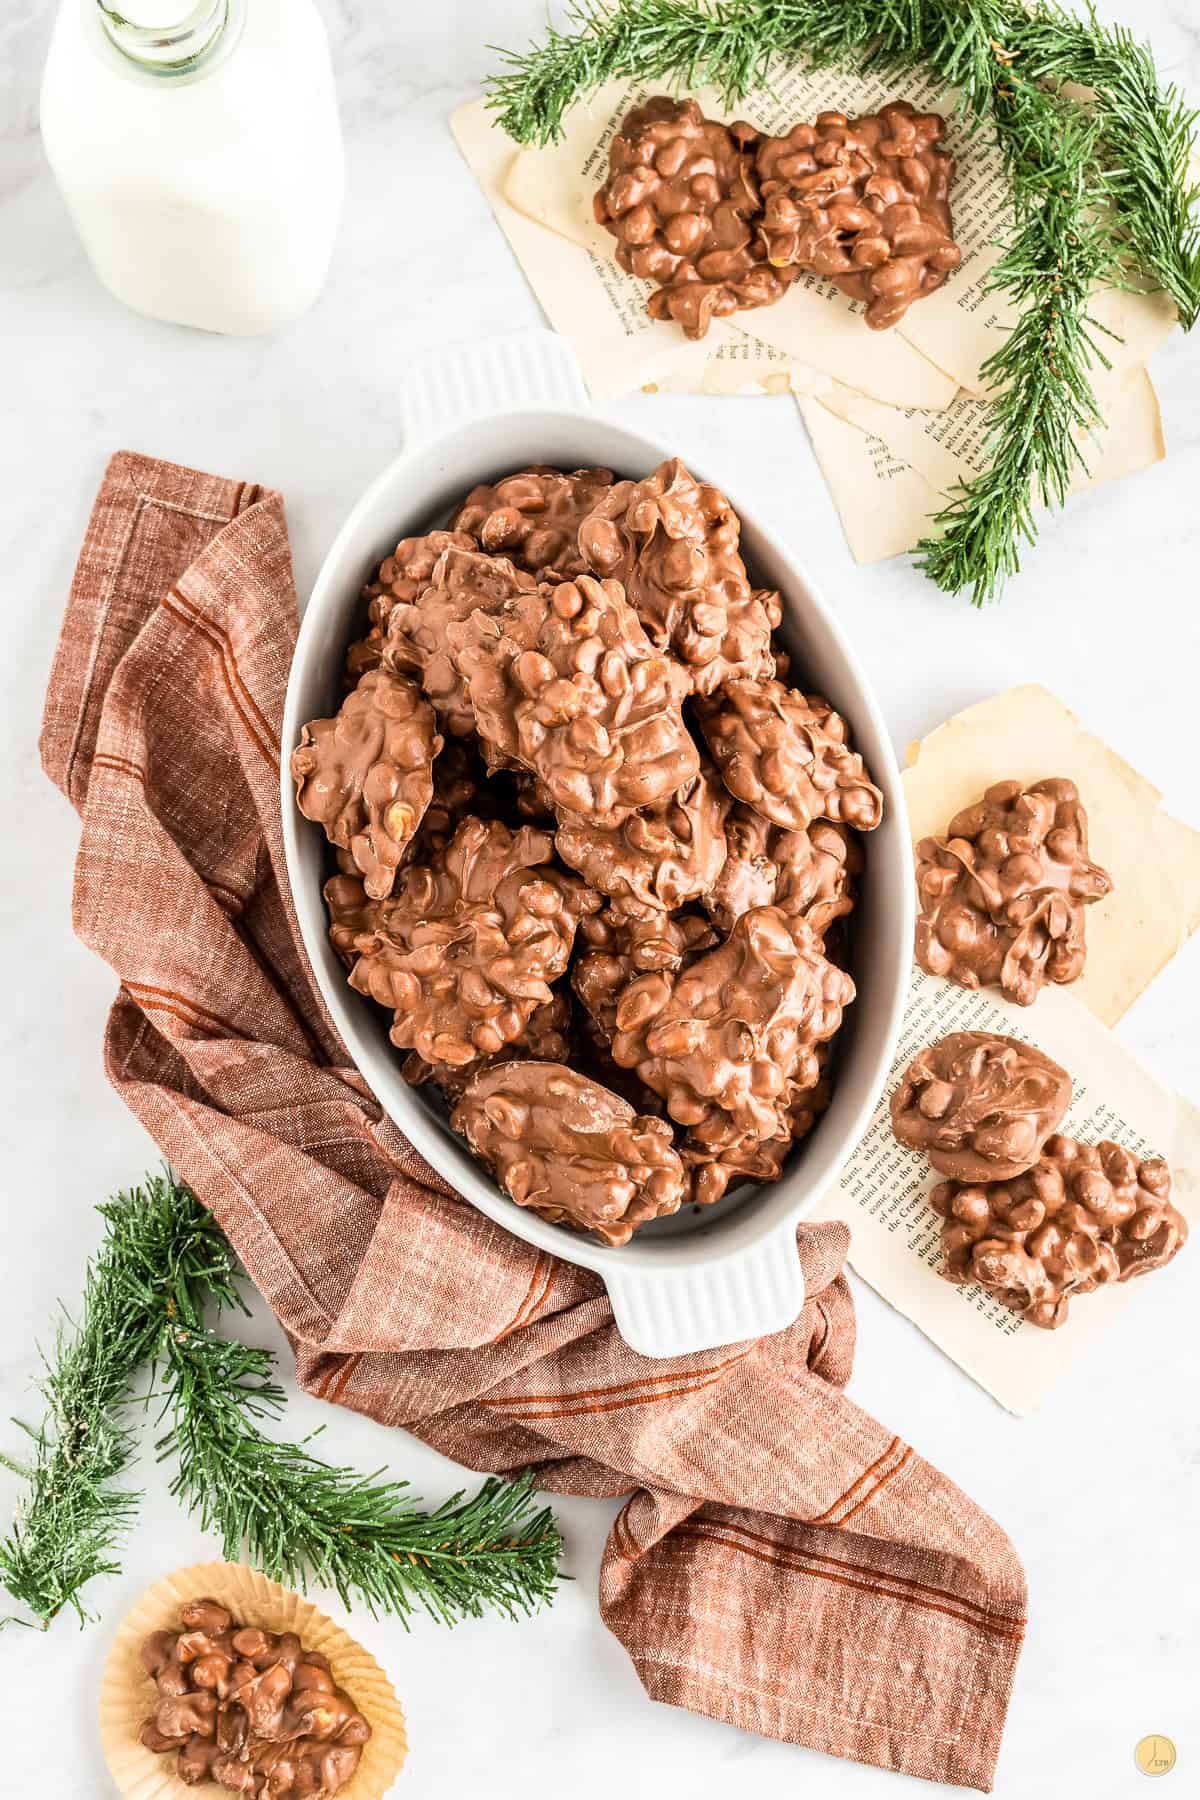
x=127 y=1694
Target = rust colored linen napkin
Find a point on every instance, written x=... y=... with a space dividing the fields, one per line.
x=781 y=1561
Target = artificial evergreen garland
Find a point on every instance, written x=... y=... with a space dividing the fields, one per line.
x=162 y=1262
x=1102 y=194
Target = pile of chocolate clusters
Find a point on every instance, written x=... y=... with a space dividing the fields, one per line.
x=594 y=854
x=1031 y=1216
x=723 y=217
x=252 y=1710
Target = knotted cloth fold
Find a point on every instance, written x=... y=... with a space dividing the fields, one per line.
x=781 y=1561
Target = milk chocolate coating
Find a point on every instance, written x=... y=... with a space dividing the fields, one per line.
x=864 y=202
x=1002 y=895
x=980 y=1106
x=466 y=949
x=563 y=680
x=787 y=756
x=400 y=578
x=672 y=542
x=627 y=940
x=546 y=1038
x=570 y=1150
x=719 y=1156
x=534 y=517
x=732 y=1030
x=807 y=874
x=562 y=704
x=462 y=581
x=251 y=1710
x=1084 y=1215
x=460 y=787
x=664 y=855
x=682 y=202
x=366 y=775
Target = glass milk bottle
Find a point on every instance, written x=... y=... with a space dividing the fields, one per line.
x=198 y=149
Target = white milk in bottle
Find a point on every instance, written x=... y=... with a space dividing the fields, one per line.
x=198 y=149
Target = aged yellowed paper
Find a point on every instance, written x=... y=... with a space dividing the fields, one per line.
x=813 y=325
x=956 y=329
x=882 y=514
x=883 y=1190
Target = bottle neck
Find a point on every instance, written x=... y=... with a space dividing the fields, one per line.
x=167 y=38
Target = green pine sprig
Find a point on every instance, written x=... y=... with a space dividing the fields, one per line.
x=1100 y=182
x=162 y=1265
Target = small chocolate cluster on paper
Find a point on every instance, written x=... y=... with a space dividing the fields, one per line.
x=594 y=855
x=1002 y=896
x=1029 y=1215
x=724 y=217
x=252 y=1710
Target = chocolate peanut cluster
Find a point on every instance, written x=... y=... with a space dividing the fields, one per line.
x=367 y=774
x=786 y=755
x=673 y=542
x=865 y=202
x=251 y=1710
x=604 y=947
x=1029 y=1215
x=682 y=201
x=1082 y=1216
x=980 y=1106
x=724 y=217
x=1002 y=895
x=570 y=1150
x=533 y=518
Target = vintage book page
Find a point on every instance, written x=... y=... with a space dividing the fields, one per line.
x=1154 y=860
x=814 y=324
x=956 y=328
x=950 y=445
x=895 y=1234
x=862 y=448
x=884 y=505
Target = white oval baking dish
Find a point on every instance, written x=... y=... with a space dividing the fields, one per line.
x=701 y=1278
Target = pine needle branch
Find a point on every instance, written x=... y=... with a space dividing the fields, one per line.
x=1098 y=158
x=162 y=1264
x=72 y=1515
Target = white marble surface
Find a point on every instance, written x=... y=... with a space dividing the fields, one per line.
x=1100 y=1491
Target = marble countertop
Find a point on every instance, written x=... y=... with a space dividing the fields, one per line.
x=1100 y=1490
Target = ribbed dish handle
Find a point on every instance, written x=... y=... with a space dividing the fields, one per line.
x=671 y=1311
x=524 y=371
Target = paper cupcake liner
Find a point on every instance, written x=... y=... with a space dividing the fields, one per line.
x=127 y=1694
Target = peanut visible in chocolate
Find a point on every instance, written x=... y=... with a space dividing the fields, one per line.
x=672 y=542
x=864 y=202
x=626 y=940
x=415 y=639
x=400 y=578
x=534 y=517
x=787 y=756
x=682 y=202
x=663 y=855
x=466 y=949
x=570 y=1150
x=564 y=681
x=807 y=874
x=251 y=1710
x=367 y=774
x=1002 y=895
x=735 y=1029
x=980 y=1106
x=1084 y=1215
